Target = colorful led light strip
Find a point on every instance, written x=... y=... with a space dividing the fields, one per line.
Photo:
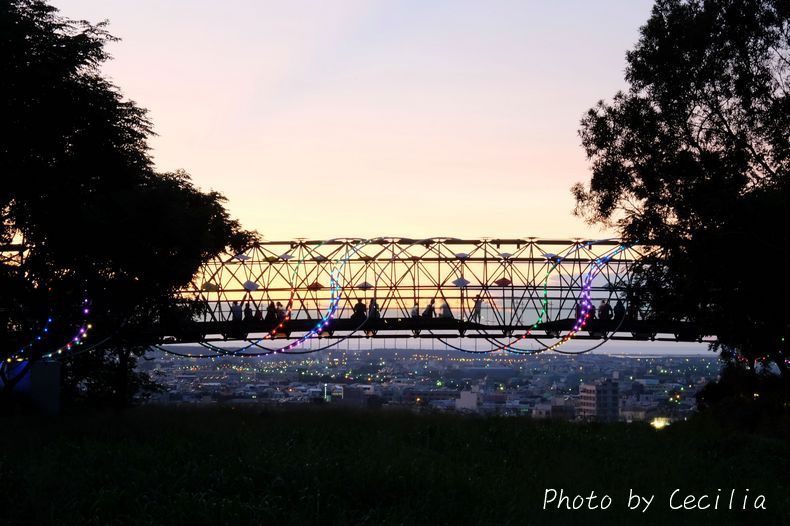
x=364 y=321
x=76 y=340
x=544 y=305
x=325 y=320
x=272 y=333
x=431 y=240
x=280 y=323
x=318 y=328
x=40 y=336
x=333 y=304
x=581 y=319
x=80 y=336
x=578 y=324
x=499 y=346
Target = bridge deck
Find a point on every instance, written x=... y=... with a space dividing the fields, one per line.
x=425 y=328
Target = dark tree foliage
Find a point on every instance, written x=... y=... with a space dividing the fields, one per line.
x=77 y=185
x=695 y=159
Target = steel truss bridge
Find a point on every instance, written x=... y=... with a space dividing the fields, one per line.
x=516 y=295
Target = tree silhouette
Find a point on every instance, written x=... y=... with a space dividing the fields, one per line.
x=695 y=158
x=79 y=189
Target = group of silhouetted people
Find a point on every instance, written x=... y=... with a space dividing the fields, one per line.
x=364 y=312
x=604 y=312
x=430 y=311
x=371 y=312
x=275 y=312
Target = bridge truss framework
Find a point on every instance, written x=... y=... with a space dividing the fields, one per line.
x=529 y=289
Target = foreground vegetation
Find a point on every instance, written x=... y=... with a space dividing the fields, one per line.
x=325 y=466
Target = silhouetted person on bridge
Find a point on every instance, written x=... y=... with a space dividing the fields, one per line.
x=258 y=314
x=477 y=309
x=619 y=311
x=373 y=316
x=360 y=311
x=280 y=310
x=430 y=310
x=415 y=311
x=591 y=312
x=248 y=315
x=605 y=311
x=446 y=312
x=373 y=310
x=271 y=312
x=236 y=313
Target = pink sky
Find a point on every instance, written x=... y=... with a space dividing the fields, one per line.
x=350 y=118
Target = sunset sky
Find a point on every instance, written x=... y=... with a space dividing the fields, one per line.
x=349 y=118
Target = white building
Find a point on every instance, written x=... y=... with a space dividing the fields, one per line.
x=599 y=401
x=468 y=400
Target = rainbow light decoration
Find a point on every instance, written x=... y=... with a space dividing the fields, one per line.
x=582 y=318
x=37 y=338
x=77 y=339
x=580 y=321
x=544 y=309
x=544 y=305
x=333 y=303
x=271 y=334
x=80 y=336
x=345 y=260
x=322 y=324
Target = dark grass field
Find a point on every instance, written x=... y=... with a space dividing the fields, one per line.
x=322 y=466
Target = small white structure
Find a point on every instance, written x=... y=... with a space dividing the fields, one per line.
x=468 y=400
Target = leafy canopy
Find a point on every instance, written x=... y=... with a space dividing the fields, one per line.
x=78 y=187
x=695 y=158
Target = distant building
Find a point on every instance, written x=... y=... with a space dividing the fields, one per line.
x=468 y=400
x=632 y=414
x=426 y=396
x=558 y=408
x=493 y=402
x=599 y=401
x=358 y=397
